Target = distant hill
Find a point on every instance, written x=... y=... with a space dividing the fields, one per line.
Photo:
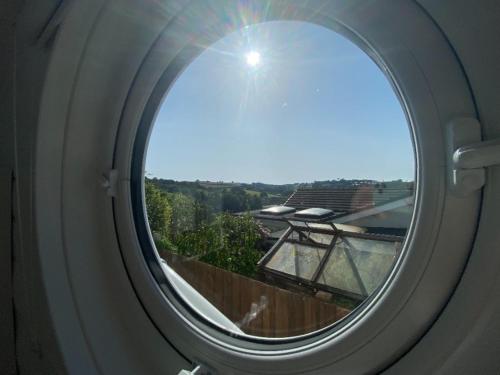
x=257 y=194
x=175 y=186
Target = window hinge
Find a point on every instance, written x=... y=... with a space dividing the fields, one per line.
x=109 y=181
x=468 y=156
x=198 y=370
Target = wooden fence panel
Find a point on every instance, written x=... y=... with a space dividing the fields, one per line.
x=257 y=308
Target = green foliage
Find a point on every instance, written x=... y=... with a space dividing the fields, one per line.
x=229 y=242
x=238 y=199
x=159 y=211
x=183 y=214
x=210 y=194
x=163 y=243
x=185 y=225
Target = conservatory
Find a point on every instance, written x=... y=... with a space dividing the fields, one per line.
x=316 y=254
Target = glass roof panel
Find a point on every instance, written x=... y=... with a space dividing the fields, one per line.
x=338 y=272
x=359 y=265
x=374 y=259
x=297 y=260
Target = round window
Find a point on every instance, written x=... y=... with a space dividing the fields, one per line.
x=279 y=180
x=266 y=207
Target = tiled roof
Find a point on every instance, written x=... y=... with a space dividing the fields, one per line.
x=345 y=200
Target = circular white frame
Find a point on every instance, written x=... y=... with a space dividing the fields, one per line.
x=105 y=65
x=173 y=69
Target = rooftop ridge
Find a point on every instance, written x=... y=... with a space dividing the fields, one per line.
x=345 y=199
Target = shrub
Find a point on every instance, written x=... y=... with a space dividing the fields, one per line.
x=229 y=242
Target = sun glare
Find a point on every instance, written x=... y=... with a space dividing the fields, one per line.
x=253 y=58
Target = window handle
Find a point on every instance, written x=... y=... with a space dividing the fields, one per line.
x=468 y=156
x=477 y=155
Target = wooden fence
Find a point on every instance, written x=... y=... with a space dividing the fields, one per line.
x=257 y=308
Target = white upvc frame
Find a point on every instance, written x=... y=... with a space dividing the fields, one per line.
x=110 y=314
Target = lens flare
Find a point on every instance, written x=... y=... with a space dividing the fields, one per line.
x=253 y=58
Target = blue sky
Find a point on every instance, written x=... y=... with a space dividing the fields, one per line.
x=315 y=108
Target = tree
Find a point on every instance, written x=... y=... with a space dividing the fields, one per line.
x=159 y=211
x=232 y=202
x=183 y=214
x=237 y=199
x=253 y=202
x=201 y=209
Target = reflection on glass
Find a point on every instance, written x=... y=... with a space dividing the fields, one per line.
x=279 y=185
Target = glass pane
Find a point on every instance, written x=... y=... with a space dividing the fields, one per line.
x=297 y=260
x=339 y=273
x=270 y=120
x=359 y=265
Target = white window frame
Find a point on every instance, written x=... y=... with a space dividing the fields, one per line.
x=105 y=67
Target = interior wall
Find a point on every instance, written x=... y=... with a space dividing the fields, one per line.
x=35 y=346
x=7 y=116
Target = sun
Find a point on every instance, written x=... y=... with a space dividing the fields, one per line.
x=253 y=58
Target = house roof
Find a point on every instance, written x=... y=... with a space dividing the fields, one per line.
x=345 y=201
